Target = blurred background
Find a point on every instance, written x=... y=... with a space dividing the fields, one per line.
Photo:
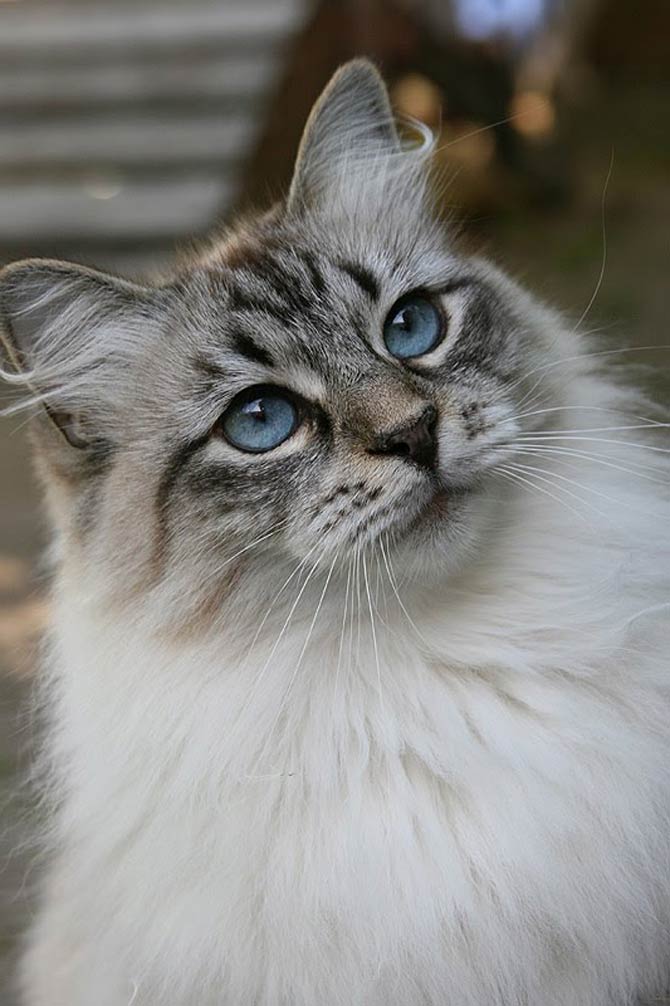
x=129 y=128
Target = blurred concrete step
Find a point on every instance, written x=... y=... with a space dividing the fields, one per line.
x=119 y=210
x=126 y=121
x=117 y=139
x=52 y=26
x=226 y=78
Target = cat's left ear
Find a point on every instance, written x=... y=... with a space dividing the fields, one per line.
x=67 y=336
x=350 y=124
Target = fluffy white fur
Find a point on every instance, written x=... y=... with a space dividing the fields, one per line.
x=466 y=797
x=476 y=813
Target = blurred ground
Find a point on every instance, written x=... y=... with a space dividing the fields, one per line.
x=558 y=253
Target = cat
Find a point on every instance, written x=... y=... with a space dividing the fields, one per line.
x=357 y=687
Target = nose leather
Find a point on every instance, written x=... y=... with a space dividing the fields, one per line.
x=414 y=439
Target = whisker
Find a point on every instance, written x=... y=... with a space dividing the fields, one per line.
x=532 y=470
x=297 y=569
x=589 y=408
x=263 y=537
x=340 y=649
x=590 y=489
x=603 y=263
x=358 y=604
x=548 y=437
x=595 y=354
x=566 y=453
x=600 y=429
x=352 y=614
x=373 y=631
x=515 y=476
x=378 y=582
x=394 y=588
x=301 y=655
x=261 y=674
x=383 y=576
x=481 y=129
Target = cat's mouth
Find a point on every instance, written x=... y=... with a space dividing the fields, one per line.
x=433 y=510
x=441 y=506
x=438 y=506
x=436 y=510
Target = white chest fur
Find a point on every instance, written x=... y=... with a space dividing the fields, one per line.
x=386 y=829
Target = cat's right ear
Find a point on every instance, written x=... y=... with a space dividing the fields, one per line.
x=350 y=125
x=67 y=333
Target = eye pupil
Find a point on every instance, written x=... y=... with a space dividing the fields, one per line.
x=413 y=327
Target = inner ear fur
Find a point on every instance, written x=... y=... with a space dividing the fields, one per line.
x=62 y=327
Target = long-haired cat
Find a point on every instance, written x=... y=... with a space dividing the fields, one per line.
x=358 y=683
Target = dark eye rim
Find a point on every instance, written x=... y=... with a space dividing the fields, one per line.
x=435 y=303
x=249 y=394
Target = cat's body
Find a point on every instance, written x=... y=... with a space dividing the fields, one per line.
x=387 y=744
x=484 y=825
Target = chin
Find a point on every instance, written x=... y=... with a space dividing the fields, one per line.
x=445 y=536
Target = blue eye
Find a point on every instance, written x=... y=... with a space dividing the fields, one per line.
x=260 y=419
x=413 y=327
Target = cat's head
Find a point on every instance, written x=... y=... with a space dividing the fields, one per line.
x=328 y=376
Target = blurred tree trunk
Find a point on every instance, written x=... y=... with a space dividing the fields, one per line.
x=338 y=31
x=631 y=38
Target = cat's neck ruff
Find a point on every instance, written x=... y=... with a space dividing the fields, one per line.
x=282 y=784
x=550 y=594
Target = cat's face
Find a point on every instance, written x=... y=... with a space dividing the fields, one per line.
x=332 y=376
x=337 y=390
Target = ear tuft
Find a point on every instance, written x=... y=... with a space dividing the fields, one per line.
x=352 y=120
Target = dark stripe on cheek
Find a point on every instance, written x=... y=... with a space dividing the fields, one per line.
x=172 y=471
x=96 y=466
x=247 y=485
x=245 y=346
x=363 y=277
x=171 y=474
